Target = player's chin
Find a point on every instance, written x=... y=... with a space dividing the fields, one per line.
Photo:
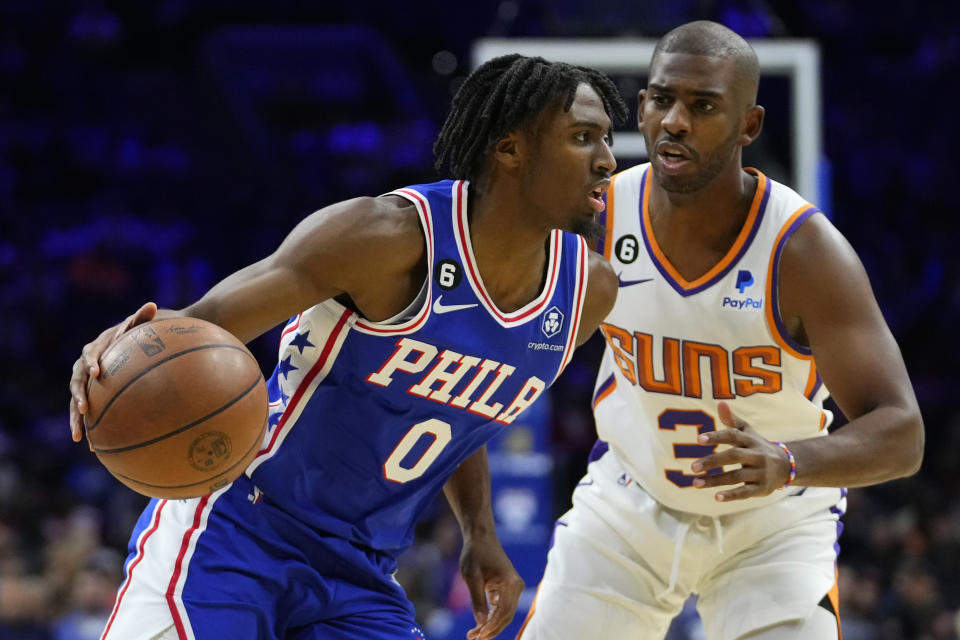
x=588 y=227
x=680 y=184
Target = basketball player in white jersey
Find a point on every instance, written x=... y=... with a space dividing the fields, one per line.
x=739 y=306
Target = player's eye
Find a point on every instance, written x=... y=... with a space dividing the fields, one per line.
x=705 y=106
x=581 y=136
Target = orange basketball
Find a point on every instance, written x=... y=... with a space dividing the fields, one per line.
x=179 y=409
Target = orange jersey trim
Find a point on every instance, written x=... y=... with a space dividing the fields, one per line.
x=608 y=219
x=606 y=392
x=734 y=251
x=773 y=300
x=834 y=596
x=812 y=379
x=533 y=608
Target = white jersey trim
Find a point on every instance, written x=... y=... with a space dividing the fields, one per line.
x=318 y=372
x=579 y=297
x=132 y=565
x=461 y=228
x=386 y=327
x=175 y=589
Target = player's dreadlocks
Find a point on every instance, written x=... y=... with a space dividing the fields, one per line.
x=505 y=94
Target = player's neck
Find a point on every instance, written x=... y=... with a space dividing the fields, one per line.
x=712 y=216
x=510 y=251
x=695 y=231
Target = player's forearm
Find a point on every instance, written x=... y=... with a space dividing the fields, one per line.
x=468 y=492
x=254 y=299
x=882 y=445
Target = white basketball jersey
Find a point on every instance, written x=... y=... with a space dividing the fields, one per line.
x=675 y=347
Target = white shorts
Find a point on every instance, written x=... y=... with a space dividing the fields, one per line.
x=622 y=565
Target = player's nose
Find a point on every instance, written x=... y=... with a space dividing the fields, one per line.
x=604 y=162
x=676 y=121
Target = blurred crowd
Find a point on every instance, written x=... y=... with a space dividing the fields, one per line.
x=147 y=149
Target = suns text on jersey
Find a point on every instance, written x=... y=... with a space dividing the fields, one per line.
x=755 y=369
x=449 y=370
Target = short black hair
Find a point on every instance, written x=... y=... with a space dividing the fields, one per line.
x=712 y=39
x=506 y=94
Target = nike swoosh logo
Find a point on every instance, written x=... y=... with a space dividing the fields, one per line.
x=438 y=307
x=627 y=283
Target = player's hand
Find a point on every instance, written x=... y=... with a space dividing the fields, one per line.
x=88 y=365
x=495 y=586
x=764 y=466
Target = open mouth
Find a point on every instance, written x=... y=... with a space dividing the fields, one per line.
x=673 y=155
x=596 y=198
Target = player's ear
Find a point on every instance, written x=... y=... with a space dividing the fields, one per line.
x=641 y=100
x=509 y=149
x=752 y=125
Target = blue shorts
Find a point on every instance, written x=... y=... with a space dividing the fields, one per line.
x=229 y=566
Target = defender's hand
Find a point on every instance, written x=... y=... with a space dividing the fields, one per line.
x=764 y=466
x=88 y=365
x=495 y=586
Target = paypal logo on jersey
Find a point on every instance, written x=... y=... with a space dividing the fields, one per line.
x=743 y=282
x=747 y=304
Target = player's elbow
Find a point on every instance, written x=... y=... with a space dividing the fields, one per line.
x=912 y=443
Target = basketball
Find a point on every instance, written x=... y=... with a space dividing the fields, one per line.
x=179 y=409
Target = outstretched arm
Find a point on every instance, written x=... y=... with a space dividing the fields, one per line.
x=369 y=248
x=495 y=586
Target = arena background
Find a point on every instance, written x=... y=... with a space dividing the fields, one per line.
x=149 y=148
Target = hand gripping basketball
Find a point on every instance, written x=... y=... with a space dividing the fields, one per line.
x=177 y=407
x=88 y=365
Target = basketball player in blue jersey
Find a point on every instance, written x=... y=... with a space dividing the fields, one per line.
x=739 y=306
x=423 y=323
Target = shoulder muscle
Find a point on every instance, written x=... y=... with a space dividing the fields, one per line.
x=349 y=244
x=819 y=270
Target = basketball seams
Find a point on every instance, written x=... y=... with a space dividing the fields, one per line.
x=255 y=445
x=186 y=427
x=188 y=403
x=153 y=366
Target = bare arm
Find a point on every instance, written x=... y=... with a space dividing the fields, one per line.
x=828 y=292
x=494 y=584
x=370 y=248
x=826 y=302
x=354 y=246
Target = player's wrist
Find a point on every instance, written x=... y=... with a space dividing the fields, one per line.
x=792 y=474
x=479 y=534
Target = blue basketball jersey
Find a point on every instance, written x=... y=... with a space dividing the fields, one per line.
x=370 y=419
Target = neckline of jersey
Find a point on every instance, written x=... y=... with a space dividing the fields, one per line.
x=720 y=269
x=461 y=227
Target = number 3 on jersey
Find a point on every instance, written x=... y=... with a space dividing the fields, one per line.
x=439 y=430
x=669 y=420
